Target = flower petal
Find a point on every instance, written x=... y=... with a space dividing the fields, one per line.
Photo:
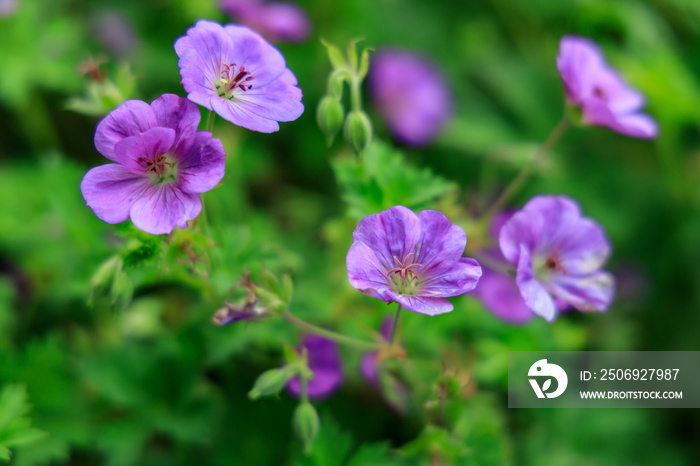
x=579 y=62
x=424 y=304
x=201 y=169
x=129 y=119
x=160 y=208
x=280 y=100
x=500 y=294
x=523 y=228
x=110 y=190
x=460 y=279
x=239 y=115
x=440 y=239
x=210 y=46
x=391 y=233
x=637 y=125
x=179 y=114
x=534 y=294
x=366 y=273
x=130 y=151
x=326 y=365
x=585 y=249
x=592 y=292
x=264 y=62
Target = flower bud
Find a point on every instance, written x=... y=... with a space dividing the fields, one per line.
x=306 y=424
x=329 y=115
x=270 y=383
x=358 y=130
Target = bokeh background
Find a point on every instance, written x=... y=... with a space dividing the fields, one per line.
x=106 y=343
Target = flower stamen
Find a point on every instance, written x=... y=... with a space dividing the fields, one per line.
x=404 y=267
x=156 y=165
x=229 y=80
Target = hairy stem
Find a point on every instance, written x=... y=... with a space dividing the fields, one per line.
x=528 y=169
x=339 y=337
x=395 y=323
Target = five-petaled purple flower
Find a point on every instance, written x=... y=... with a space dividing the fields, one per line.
x=415 y=260
x=278 y=21
x=558 y=255
x=497 y=289
x=410 y=94
x=324 y=361
x=237 y=74
x=603 y=95
x=162 y=164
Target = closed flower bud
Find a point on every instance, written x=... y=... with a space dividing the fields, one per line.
x=306 y=424
x=358 y=130
x=329 y=115
x=270 y=382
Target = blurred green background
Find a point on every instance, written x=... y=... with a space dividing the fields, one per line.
x=107 y=350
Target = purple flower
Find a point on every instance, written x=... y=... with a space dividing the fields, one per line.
x=415 y=260
x=558 y=255
x=278 y=21
x=603 y=95
x=162 y=165
x=496 y=289
x=411 y=96
x=234 y=72
x=324 y=362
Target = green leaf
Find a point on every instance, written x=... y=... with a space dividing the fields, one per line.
x=334 y=54
x=15 y=427
x=383 y=179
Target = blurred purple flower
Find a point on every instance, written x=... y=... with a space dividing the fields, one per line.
x=558 y=255
x=410 y=94
x=368 y=363
x=496 y=289
x=278 y=21
x=324 y=362
x=162 y=165
x=8 y=7
x=603 y=95
x=415 y=260
x=114 y=31
x=234 y=72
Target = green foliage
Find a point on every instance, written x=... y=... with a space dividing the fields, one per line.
x=15 y=426
x=384 y=178
x=108 y=331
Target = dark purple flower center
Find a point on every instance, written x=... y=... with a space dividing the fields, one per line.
x=230 y=80
x=600 y=93
x=549 y=265
x=157 y=165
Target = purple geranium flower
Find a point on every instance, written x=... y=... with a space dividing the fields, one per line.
x=415 y=260
x=278 y=21
x=603 y=95
x=324 y=362
x=234 y=72
x=496 y=289
x=162 y=165
x=558 y=255
x=411 y=96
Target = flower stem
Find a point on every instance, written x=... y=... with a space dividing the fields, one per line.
x=395 y=323
x=210 y=121
x=529 y=168
x=355 y=96
x=339 y=337
x=304 y=382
